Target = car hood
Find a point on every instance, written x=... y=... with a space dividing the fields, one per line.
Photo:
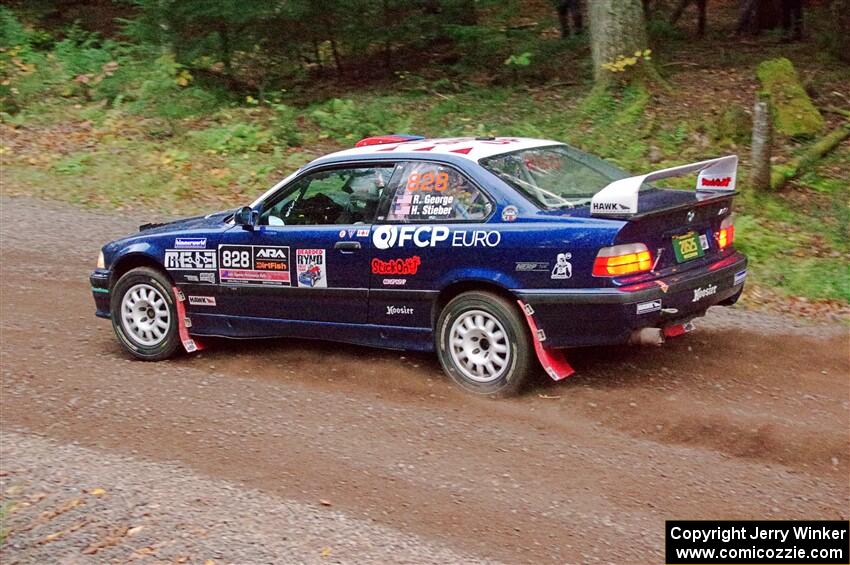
x=194 y=222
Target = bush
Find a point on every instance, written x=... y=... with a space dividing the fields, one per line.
x=166 y=92
x=12 y=31
x=345 y=120
x=286 y=125
x=236 y=138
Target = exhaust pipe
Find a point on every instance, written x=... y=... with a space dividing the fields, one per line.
x=647 y=336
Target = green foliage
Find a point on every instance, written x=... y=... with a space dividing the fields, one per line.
x=520 y=60
x=234 y=138
x=615 y=125
x=285 y=127
x=73 y=164
x=12 y=31
x=781 y=257
x=166 y=92
x=793 y=112
x=347 y=120
x=82 y=52
x=733 y=126
x=661 y=30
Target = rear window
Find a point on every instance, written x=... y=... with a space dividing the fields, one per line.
x=555 y=176
x=425 y=192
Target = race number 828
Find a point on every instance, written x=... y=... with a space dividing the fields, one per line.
x=428 y=182
x=236 y=259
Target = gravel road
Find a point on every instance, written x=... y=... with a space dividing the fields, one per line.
x=294 y=451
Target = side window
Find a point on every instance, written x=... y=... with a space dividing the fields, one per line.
x=337 y=196
x=422 y=192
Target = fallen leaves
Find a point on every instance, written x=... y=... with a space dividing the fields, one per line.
x=62 y=533
x=61 y=509
x=114 y=537
x=97 y=491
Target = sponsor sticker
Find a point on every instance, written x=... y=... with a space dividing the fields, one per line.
x=509 y=213
x=207 y=277
x=428 y=181
x=608 y=208
x=311 y=268
x=407 y=266
x=740 y=277
x=396 y=310
x=429 y=206
x=362 y=233
x=647 y=307
x=703 y=241
x=180 y=260
x=190 y=243
x=385 y=237
x=532 y=266
x=700 y=293
x=722 y=182
x=202 y=300
x=563 y=269
x=394 y=282
x=254 y=264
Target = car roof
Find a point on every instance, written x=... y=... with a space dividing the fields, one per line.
x=472 y=148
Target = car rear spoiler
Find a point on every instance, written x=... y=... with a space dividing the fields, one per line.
x=620 y=198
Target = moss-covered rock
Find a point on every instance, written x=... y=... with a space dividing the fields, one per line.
x=732 y=126
x=794 y=114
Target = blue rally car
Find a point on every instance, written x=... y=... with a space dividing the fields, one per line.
x=493 y=252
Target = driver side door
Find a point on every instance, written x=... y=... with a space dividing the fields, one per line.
x=308 y=259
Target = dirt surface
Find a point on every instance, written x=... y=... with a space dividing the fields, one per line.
x=746 y=418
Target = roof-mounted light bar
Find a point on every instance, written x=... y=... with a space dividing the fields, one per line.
x=384 y=139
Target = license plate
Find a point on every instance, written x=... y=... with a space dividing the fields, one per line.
x=687 y=247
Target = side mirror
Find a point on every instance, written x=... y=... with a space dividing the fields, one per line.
x=247 y=217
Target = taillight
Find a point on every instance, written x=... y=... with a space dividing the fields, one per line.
x=623 y=259
x=726 y=234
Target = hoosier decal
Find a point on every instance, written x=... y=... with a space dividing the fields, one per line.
x=700 y=293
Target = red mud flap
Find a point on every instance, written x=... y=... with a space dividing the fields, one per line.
x=183 y=323
x=552 y=360
x=678 y=329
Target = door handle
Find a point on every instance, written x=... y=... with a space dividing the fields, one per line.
x=347 y=246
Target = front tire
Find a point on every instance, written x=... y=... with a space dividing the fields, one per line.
x=484 y=345
x=144 y=316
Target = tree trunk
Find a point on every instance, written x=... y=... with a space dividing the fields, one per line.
x=838 y=36
x=761 y=145
x=617 y=28
x=226 y=51
x=810 y=156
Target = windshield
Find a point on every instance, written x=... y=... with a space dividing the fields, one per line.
x=553 y=177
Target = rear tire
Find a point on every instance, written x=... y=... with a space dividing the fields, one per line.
x=144 y=316
x=484 y=345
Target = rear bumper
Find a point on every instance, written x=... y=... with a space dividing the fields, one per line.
x=99 y=280
x=581 y=317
